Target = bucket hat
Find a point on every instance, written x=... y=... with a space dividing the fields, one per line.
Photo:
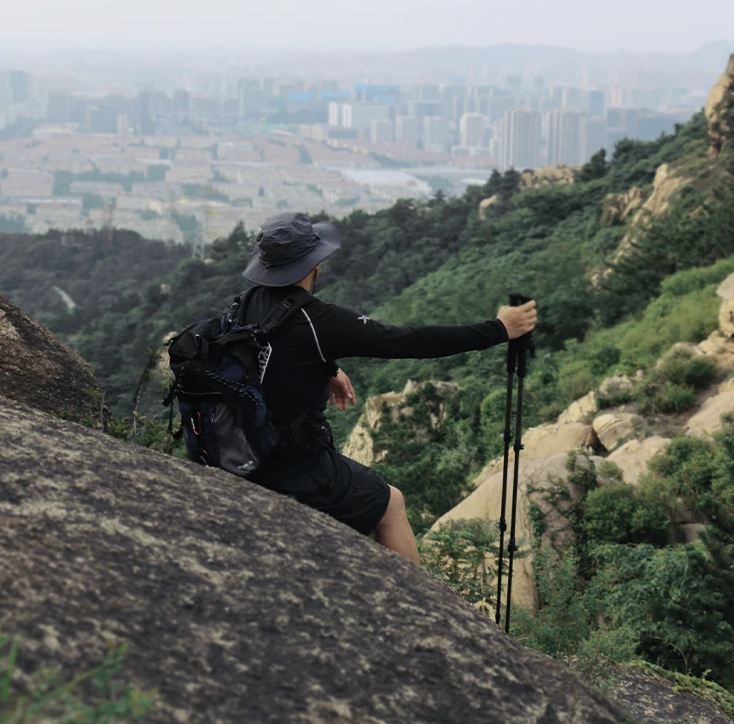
x=288 y=247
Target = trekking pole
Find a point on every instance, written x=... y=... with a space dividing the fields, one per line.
x=502 y=523
x=517 y=353
x=524 y=348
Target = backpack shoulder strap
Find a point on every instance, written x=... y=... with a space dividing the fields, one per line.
x=285 y=309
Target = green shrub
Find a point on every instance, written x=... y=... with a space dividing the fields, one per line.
x=672 y=387
x=463 y=554
x=561 y=624
x=618 y=514
x=682 y=368
x=95 y=697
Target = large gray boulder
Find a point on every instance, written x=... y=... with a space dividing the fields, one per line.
x=240 y=605
x=36 y=368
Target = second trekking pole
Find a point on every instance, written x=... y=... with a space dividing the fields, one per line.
x=517 y=361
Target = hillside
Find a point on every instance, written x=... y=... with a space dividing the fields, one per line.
x=625 y=262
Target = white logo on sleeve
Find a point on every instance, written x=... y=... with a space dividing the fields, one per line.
x=364 y=318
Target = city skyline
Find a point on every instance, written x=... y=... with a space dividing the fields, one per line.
x=382 y=26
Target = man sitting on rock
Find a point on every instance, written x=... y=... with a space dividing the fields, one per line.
x=300 y=372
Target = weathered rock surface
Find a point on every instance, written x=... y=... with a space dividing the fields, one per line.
x=559 y=175
x=617 y=208
x=544 y=441
x=580 y=410
x=726 y=310
x=720 y=110
x=36 y=368
x=633 y=457
x=617 y=383
x=655 y=700
x=240 y=605
x=613 y=427
x=537 y=478
x=707 y=420
x=486 y=204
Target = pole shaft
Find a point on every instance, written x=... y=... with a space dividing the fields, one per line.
x=512 y=546
x=502 y=525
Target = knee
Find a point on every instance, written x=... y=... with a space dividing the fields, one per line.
x=396 y=506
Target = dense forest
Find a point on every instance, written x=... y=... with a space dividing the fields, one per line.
x=630 y=589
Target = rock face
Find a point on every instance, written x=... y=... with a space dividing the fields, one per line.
x=726 y=310
x=537 y=477
x=487 y=204
x=560 y=175
x=240 y=605
x=633 y=457
x=580 y=410
x=707 y=420
x=611 y=428
x=651 y=699
x=617 y=208
x=720 y=110
x=35 y=367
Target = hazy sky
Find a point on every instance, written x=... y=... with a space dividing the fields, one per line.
x=659 y=25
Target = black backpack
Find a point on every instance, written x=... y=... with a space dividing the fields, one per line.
x=218 y=365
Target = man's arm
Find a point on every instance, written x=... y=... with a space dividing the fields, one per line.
x=343 y=333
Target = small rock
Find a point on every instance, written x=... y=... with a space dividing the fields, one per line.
x=614 y=427
x=580 y=410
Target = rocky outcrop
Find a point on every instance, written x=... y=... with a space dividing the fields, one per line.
x=360 y=446
x=560 y=175
x=617 y=208
x=487 y=204
x=537 y=479
x=720 y=110
x=707 y=420
x=633 y=457
x=726 y=311
x=653 y=699
x=580 y=411
x=614 y=427
x=240 y=605
x=35 y=367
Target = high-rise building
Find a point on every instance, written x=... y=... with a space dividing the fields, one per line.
x=335 y=114
x=360 y=115
x=435 y=133
x=20 y=85
x=520 y=139
x=565 y=144
x=593 y=136
x=428 y=92
x=471 y=130
x=381 y=131
x=406 y=130
x=627 y=118
x=572 y=98
x=594 y=102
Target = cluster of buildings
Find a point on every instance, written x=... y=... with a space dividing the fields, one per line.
x=511 y=127
x=521 y=122
x=189 y=157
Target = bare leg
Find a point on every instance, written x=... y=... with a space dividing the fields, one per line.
x=394 y=531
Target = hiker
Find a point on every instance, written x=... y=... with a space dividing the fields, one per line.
x=299 y=371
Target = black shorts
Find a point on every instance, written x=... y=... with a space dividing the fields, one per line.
x=333 y=484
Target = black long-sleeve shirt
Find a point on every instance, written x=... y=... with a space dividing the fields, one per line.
x=305 y=348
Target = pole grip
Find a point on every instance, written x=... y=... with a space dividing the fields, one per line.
x=517 y=299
